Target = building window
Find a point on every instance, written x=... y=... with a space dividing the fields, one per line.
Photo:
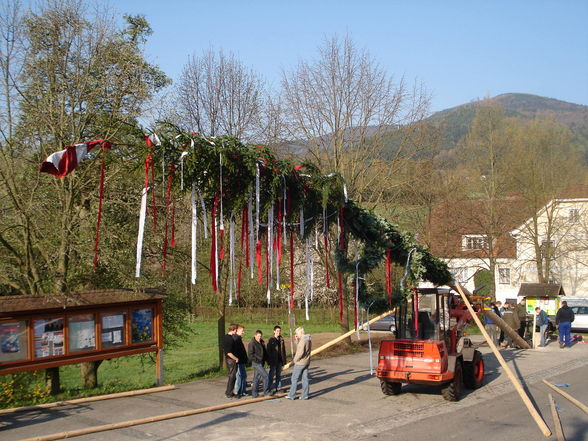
x=460 y=274
x=574 y=215
x=472 y=243
x=504 y=276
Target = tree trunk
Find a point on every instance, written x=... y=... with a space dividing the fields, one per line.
x=89 y=374
x=52 y=383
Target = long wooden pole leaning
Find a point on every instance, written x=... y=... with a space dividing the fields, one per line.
x=568 y=396
x=507 y=329
x=341 y=337
x=538 y=420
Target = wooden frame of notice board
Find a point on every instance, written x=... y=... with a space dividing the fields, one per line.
x=40 y=332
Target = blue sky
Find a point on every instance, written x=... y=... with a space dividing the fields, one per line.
x=461 y=50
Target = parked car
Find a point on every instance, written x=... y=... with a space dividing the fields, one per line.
x=384 y=324
x=581 y=318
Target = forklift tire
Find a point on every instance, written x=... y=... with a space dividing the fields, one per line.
x=390 y=387
x=473 y=372
x=452 y=392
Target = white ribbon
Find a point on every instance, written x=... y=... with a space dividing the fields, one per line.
x=301 y=222
x=182 y=156
x=308 y=277
x=220 y=162
x=270 y=254
x=345 y=191
x=251 y=233
x=257 y=190
x=142 y=214
x=232 y=285
x=204 y=220
x=194 y=232
x=357 y=287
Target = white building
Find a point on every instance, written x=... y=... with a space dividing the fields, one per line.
x=553 y=242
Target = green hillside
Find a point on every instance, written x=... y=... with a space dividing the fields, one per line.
x=454 y=123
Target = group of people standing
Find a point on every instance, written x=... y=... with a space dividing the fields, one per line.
x=517 y=318
x=258 y=353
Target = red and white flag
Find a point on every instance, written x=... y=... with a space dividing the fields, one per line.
x=60 y=164
x=152 y=140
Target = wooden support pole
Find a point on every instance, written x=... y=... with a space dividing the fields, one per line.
x=88 y=399
x=556 y=421
x=568 y=396
x=512 y=333
x=538 y=420
x=341 y=337
x=168 y=416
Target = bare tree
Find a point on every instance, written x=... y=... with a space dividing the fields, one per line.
x=544 y=168
x=343 y=105
x=218 y=95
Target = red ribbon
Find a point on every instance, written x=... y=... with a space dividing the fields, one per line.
x=245 y=234
x=258 y=261
x=153 y=205
x=327 y=259
x=340 y=291
x=291 y=270
x=105 y=145
x=213 y=243
x=389 y=276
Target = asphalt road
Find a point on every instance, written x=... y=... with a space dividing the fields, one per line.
x=346 y=404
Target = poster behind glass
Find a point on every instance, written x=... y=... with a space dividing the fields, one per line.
x=82 y=332
x=48 y=337
x=13 y=341
x=142 y=325
x=113 y=329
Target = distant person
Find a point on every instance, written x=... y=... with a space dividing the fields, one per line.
x=511 y=319
x=241 y=353
x=258 y=356
x=276 y=358
x=490 y=326
x=500 y=309
x=542 y=322
x=231 y=360
x=563 y=321
x=301 y=362
x=521 y=311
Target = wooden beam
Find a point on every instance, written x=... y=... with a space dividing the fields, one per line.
x=568 y=396
x=341 y=338
x=88 y=399
x=556 y=421
x=154 y=419
x=538 y=420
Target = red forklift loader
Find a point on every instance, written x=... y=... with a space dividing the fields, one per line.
x=429 y=347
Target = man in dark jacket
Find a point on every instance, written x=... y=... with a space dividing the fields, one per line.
x=521 y=312
x=257 y=355
x=276 y=358
x=241 y=353
x=563 y=320
x=231 y=360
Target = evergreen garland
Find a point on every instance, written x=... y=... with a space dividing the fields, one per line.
x=307 y=188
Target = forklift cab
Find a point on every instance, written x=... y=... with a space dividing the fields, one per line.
x=424 y=315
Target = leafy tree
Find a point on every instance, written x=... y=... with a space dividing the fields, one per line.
x=68 y=77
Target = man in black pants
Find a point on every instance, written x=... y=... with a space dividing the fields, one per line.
x=231 y=360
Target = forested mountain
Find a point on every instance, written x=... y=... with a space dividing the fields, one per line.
x=455 y=122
